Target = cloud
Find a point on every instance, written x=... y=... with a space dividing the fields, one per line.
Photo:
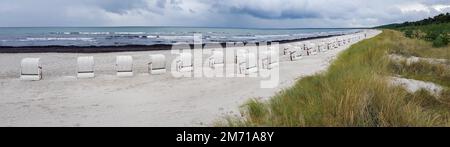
x=217 y=13
x=120 y=6
x=441 y=8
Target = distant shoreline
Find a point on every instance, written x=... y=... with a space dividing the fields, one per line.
x=123 y=48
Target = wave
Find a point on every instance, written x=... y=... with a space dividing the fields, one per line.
x=130 y=33
x=57 y=39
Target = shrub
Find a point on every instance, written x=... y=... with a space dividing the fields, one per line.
x=432 y=35
x=440 y=41
x=409 y=33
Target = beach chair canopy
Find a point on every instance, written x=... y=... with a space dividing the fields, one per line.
x=158 y=61
x=124 y=64
x=30 y=66
x=270 y=58
x=184 y=62
x=85 y=64
x=30 y=69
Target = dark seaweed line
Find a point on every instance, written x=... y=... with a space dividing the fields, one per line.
x=123 y=48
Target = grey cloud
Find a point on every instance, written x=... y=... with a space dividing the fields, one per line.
x=222 y=13
x=267 y=14
x=122 y=6
x=161 y=3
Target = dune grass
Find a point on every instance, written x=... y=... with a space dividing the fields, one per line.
x=354 y=91
x=424 y=71
x=418 y=47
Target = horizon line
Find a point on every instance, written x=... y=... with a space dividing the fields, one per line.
x=220 y=27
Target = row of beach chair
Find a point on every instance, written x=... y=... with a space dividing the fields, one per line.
x=307 y=48
x=247 y=62
x=31 y=68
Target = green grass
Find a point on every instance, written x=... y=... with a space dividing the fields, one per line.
x=437 y=34
x=428 y=29
x=354 y=91
x=419 y=48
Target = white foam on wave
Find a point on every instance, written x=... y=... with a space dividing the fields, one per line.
x=129 y=33
x=177 y=37
x=58 y=39
x=94 y=33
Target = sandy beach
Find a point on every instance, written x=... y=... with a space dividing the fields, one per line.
x=60 y=99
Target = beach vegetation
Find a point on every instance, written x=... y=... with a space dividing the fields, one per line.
x=356 y=92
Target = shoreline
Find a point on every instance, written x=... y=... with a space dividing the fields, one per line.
x=126 y=48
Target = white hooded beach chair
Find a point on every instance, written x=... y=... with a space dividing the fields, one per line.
x=287 y=49
x=184 y=62
x=124 y=66
x=85 y=67
x=329 y=45
x=240 y=55
x=321 y=47
x=269 y=59
x=298 y=53
x=216 y=60
x=343 y=41
x=157 y=64
x=248 y=63
x=294 y=55
x=31 y=69
x=335 y=43
x=312 y=49
x=338 y=42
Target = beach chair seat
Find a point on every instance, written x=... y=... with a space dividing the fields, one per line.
x=184 y=63
x=329 y=45
x=31 y=69
x=157 y=64
x=85 y=67
x=124 y=66
x=216 y=60
x=297 y=54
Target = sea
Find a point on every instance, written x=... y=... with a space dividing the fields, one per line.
x=125 y=36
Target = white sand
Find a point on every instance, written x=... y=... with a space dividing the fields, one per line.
x=143 y=100
x=413 y=86
x=413 y=59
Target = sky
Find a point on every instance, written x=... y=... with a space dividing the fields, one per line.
x=217 y=13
